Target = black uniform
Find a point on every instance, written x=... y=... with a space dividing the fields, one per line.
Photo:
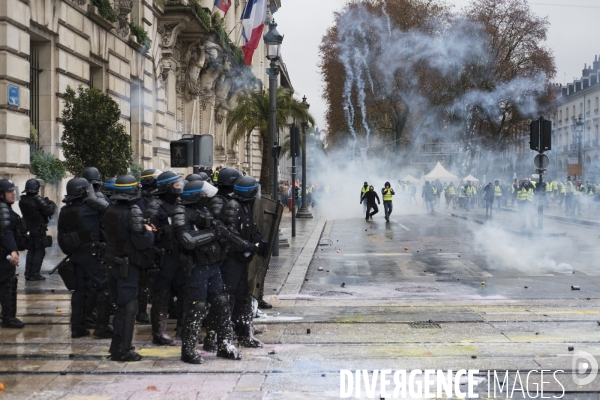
x=370 y=198
x=143 y=283
x=169 y=274
x=36 y=213
x=237 y=215
x=79 y=236
x=126 y=241
x=10 y=240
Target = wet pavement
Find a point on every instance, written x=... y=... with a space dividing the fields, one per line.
x=420 y=292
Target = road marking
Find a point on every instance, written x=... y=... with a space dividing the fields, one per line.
x=401 y=225
x=469 y=268
x=375 y=254
x=409 y=268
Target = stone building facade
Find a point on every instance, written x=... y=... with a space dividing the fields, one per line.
x=185 y=82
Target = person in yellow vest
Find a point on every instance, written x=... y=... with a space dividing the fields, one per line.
x=549 y=189
x=562 y=193
x=497 y=194
x=525 y=202
x=451 y=195
x=363 y=190
x=469 y=194
x=555 y=188
x=387 y=193
x=569 y=195
x=578 y=194
x=215 y=176
x=462 y=195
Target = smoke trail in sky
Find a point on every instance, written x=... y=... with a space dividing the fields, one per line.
x=387 y=16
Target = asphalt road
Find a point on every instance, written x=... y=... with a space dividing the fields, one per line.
x=420 y=292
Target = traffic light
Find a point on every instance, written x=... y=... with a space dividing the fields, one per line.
x=296 y=133
x=540 y=135
x=182 y=153
x=296 y=192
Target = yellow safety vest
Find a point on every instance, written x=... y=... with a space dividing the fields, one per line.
x=549 y=187
x=555 y=185
x=387 y=194
x=434 y=190
x=497 y=191
x=364 y=190
x=461 y=191
x=469 y=190
x=530 y=195
x=451 y=190
x=522 y=194
x=563 y=189
x=216 y=176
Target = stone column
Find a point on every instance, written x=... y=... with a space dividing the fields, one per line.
x=14 y=71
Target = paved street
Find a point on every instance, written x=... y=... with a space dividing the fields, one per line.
x=421 y=292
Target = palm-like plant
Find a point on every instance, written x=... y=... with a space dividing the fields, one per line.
x=252 y=113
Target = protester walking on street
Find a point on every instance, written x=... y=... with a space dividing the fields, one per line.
x=369 y=198
x=488 y=197
x=429 y=197
x=387 y=192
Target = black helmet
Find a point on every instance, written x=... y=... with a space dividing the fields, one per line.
x=33 y=185
x=76 y=188
x=228 y=176
x=6 y=185
x=125 y=188
x=204 y=176
x=148 y=178
x=194 y=191
x=109 y=186
x=245 y=188
x=193 y=177
x=92 y=175
x=169 y=182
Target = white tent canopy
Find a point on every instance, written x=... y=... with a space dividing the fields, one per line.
x=439 y=172
x=410 y=178
x=470 y=178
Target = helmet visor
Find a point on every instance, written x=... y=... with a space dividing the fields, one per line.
x=177 y=186
x=209 y=190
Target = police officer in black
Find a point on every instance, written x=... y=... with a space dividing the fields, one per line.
x=200 y=253
x=225 y=182
x=127 y=237
x=169 y=188
x=79 y=236
x=36 y=212
x=148 y=182
x=237 y=215
x=10 y=244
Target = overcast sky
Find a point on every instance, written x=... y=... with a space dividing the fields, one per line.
x=573 y=37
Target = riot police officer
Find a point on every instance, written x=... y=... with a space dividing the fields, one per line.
x=200 y=252
x=96 y=199
x=237 y=215
x=200 y=176
x=11 y=243
x=127 y=237
x=109 y=187
x=36 y=212
x=79 y=236
x=226 y=181
x=169 y=188
x=148 y=182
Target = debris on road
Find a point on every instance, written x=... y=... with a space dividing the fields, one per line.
x=308 y=331
x=320 y=268
x=575 y=288
x=343 y=284
x=571 y=348
x=272 y=352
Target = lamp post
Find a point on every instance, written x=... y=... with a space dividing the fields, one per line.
x=273 y=40
x=303 y=211
x=577 y=128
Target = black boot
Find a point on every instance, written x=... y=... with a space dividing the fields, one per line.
x=242 y=317
x=90 y=308
x=103 y=331
x=121 y=348
x=194 y=315
x=158 y=318
x=221 y=321
x=77 y=330
x=8 y=293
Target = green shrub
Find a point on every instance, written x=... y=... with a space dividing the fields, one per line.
x=136 y=170
x=201 y=13
x=106 y=10
x=140 y=34
x=47 y=167
x=33 y=135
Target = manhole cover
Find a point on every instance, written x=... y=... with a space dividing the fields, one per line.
x=275 y=265
x=425 y=325
x=333 y=294
x=417 y=289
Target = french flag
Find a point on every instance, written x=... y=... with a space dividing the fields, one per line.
x=223 y=5
x=253 y=21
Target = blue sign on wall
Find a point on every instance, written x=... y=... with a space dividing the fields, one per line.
x=13 y=96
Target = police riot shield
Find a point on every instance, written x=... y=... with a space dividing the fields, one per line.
x=267 y=215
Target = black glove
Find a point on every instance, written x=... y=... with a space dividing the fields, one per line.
x=262 y=248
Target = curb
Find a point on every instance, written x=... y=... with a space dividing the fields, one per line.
x=295 y=279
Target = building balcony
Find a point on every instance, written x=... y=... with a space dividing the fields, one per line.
x=595 y=142
x=573 y=147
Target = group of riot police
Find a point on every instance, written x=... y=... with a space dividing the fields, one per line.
x=185 y=245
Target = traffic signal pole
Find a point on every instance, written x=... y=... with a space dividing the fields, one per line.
x=292 y=194
x=540 y=139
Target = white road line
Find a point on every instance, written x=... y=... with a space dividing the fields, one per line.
x=408 y=269
x=469 y=268
x=401 y=225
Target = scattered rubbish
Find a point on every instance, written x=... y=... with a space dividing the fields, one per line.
x=459 y=255
x=537 y=333
x=320 y=268
x=406 y=249
x=371 y=226
x=58 y=310
x=365 y=230
x=571 y=348
x=458 y=279
x=473 y=356
x=327 y=270
x=417 y=251
x=52 y=290
x=482 y=283
x=598 y=322
x=63 y=372
x=272 y=352
x=71 y=355
x=152 y=388
x=588 y=298
x=575 y=288
x=343 y=284
x=322 y=374
x=2 y=386
x=308 y=331
x=306 y=279
x=526 y=287
x=338 y=251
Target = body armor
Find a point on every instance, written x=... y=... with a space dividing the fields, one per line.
x=72 y=236
x=36 y=211
x=116 y=244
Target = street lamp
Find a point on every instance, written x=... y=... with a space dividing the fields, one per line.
x=273 y=40
x=577 y=128
x=303 y=212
